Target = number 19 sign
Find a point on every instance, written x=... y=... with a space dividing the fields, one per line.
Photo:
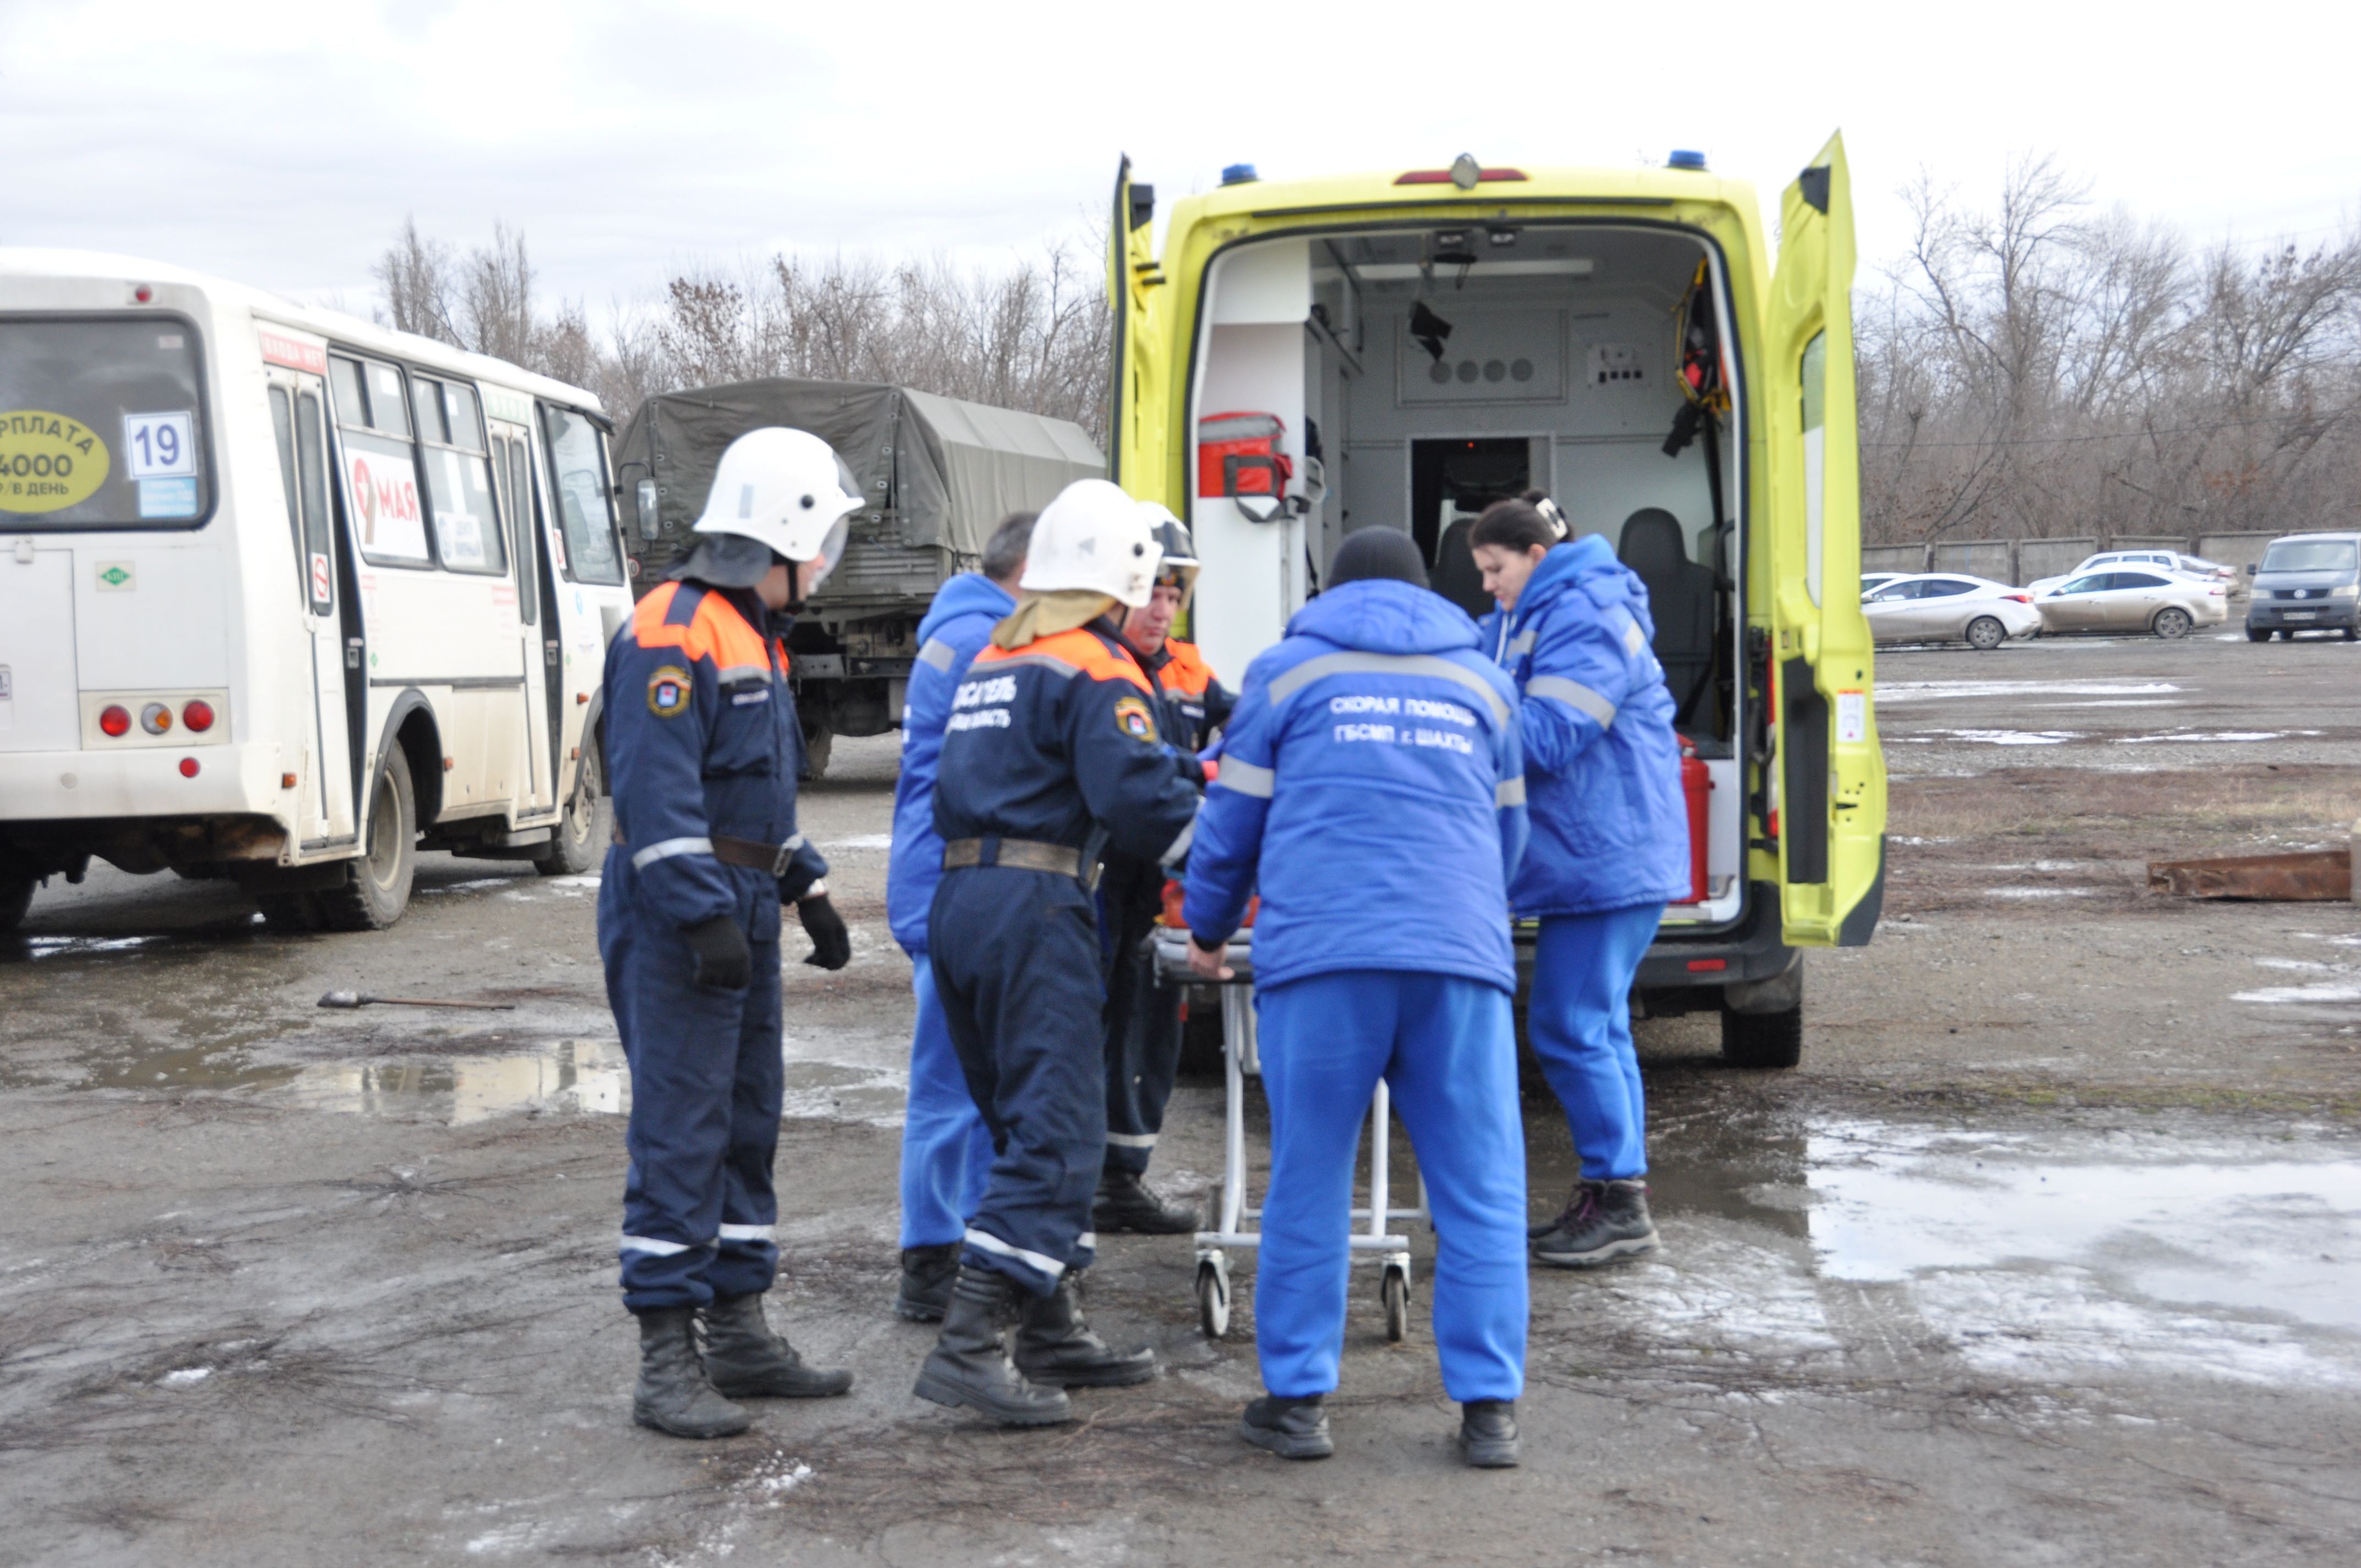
x=159 y=445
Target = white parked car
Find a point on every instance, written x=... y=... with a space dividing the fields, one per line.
x=2171 y=560
x=1872 y=581
x=1946 y=607
x=2147 y=600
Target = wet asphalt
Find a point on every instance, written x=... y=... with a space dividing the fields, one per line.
x=2049 y=1253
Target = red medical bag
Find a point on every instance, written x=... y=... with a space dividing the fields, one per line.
x=1238 y=454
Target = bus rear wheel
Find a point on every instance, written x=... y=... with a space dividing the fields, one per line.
x=376 y=888
x=577 y=840
x=15 y=897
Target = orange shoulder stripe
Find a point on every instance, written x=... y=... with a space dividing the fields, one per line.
x=1078 y=650
x=1188 y=671
x=714 y=631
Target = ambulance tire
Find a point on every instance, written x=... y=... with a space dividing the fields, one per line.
x=1762 y=1039
x=579 y=840
x=15 y=897
x=376 y=887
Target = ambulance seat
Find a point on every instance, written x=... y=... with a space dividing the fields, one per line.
x=1680 y=599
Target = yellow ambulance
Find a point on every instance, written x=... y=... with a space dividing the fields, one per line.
x=1398 y=349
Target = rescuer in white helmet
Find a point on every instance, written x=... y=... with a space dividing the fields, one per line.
x=702 y=750
x=1053 y=755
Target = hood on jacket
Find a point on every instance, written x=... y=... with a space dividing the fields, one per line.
x=969 y=593
x=1588 y=563
x=1378 y=615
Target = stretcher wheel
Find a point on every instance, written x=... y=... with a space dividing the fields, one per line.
x=1395 y=1292
x=1212 y=1300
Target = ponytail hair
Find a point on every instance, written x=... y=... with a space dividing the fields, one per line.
x=1520 y=524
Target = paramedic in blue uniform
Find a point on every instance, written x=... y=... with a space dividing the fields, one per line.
x=1051 y=756
x=1143 y=1017
x=1372 y=786
x=946 y=1150
x=702 y=748
x=1610 y=845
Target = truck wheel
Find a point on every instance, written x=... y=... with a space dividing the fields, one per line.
x=1762 y=1039
x=2258 y=634
x=2172 y=623
x=579 y=839
x=1985 y=633
x=376 y=888
x=15 y=897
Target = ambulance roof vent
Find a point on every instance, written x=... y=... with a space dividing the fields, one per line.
x=1239 y=174
x=1687 y=157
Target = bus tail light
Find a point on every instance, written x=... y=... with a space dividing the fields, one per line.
x=115 y=720
x=198 y=715
x=155 y=719
x=188 y=767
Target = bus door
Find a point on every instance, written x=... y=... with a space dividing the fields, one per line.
x=536 y=610
x=298 y=416
x=593 y=596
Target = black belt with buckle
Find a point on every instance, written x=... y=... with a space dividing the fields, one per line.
x=1022 y=854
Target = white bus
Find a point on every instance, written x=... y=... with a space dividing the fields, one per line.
x=287 y=597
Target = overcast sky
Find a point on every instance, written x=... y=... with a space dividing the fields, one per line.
x=282 y=144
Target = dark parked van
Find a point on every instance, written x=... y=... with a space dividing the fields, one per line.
x=2306 y=580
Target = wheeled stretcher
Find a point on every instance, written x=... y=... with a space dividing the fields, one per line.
x=1372 y=1239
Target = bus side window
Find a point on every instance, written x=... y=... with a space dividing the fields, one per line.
x=352 y=407
x=282 y=421
x=453 y=451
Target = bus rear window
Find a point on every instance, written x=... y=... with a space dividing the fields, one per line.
x=102 y=424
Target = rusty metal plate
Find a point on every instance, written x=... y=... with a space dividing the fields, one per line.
x=2312 y=876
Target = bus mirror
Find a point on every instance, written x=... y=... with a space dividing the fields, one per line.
x=651 y=525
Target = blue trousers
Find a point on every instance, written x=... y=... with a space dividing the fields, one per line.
x=946 y=1149
x=1579 y=1017
x=1447 y=1048
x=1017 y=966
x=707 y=1076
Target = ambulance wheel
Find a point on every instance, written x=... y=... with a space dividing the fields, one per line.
x=576 y=842
x=1212 y=1300
x=15 y=897
x=1762 y=1039
x=1395 y=1293
x=376 y=888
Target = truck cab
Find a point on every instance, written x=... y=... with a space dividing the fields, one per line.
x=1298 y=361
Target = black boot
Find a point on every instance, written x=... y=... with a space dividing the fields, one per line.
x=673 y=1395
x=1607 y=1221
x=1125 y=1202
x=969 y=1365
x=1055 y=1346
x=1292 y=1429
x=926 y=1275
x=1488 y=1433
x=744 y=1360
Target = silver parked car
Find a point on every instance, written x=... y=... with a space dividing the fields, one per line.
x=1946 y=607
x=2171 y=560
x=2147 y=599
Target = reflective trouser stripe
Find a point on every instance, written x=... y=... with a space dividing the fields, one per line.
x=1246 y=779
x=1574 y=695
x=668 y=848
x=1510 y=792
x=992 y=1243
x=1132 y=1140
x=748 y=1233
x=1088 y=1239
x=655 y=1248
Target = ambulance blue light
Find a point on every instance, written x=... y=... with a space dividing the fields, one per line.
x=1239 y=174
x=1686 y=158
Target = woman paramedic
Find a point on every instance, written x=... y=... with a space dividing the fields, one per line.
x=1610 y=844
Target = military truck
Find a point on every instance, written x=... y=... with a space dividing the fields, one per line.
x=939 y=474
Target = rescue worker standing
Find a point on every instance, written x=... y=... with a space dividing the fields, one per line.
x=1143 y=1018
x=1372 y=786
x=1610 y=846
x=1052 y=754
x=946 y=1150
x=702 y=748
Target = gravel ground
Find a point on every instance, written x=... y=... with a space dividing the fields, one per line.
x=2050 y=1251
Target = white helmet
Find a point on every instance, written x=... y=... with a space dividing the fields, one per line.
x=1179 y=566
x=1093 y=537
x=784 y=488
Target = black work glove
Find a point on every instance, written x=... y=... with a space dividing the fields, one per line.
x=724 y=962
x=831 y=943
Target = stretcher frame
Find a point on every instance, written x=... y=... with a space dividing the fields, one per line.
x=1372 y=1241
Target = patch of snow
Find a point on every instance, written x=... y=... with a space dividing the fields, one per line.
x=187 y=1376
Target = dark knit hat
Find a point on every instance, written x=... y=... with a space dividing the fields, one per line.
x=1378 y=553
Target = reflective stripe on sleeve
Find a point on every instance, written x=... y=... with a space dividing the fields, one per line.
x=1510 y=792
x=1633 y=638
x=665 y=848
x=737 y=672
x=998 y=1248
x=1442 y=669
x=655 y=1248
x=1132 y=1140
x=1574 y=695
x=1180 y=846
x=1522 y=643
x=1246 y=779
x=939 y=653
x=748 y=1233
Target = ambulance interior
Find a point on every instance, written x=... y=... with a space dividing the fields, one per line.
x=1417 y=375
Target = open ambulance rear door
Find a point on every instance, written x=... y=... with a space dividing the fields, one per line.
x=1828 y=783
x=1136 y=437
